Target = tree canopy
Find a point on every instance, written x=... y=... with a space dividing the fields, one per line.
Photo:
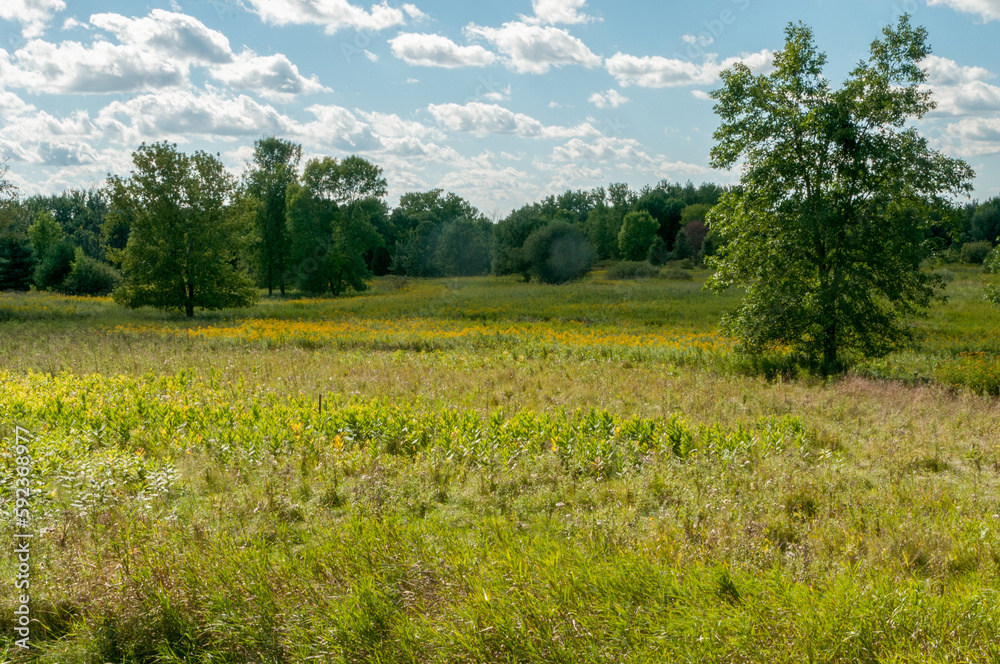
x=274 y=168
x=186 y=232
x=331 y=222
x=825 y=230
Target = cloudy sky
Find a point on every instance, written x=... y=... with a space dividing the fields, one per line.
x=501 y=102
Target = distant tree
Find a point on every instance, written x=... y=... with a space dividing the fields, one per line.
x=17 y=263
x=602 y=229
x=826 y=228
x=44 y=233
x=683 y=247
x=636 y=236
x=695 y=212
x=89 y=276
x=696 y=231
x=274 y=168
x=80 y=215
x=511 y=232
x=330 y=218
x=665 y=209
x=658 y=253
x=710 y=245
x=558 y=252
x=188 y=230
x=985 y=222
x=418 y=223
x=463 y=248
x=55 y=265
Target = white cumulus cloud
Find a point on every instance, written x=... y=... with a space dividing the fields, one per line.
x=655 y=71
x=558 y=11
x=988 y=10
x=960 y=90
x=610 y=99
x=272 y=76
x=333 y=15
x=169 y=34
x=438 y=51
x=33 y=15
x=534 y=49
x=485 y=119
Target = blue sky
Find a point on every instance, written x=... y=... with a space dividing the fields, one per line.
x=502 y=103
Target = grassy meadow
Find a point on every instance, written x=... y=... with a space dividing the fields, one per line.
x=482 y=470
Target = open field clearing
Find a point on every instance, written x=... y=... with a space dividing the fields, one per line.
x=481 y=470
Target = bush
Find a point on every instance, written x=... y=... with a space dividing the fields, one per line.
x=674 y=273
x=630 y=270
x=89 y=276
x=558 y=252
x=55 y=265
x=975 y=252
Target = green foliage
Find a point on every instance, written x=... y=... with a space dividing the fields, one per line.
x=507 y=251
x=463 y=248
x=79 y=214
x=695 y=212
x=984 y=224
x=975 y=252
x=664 y=208
x=17 y=264
x=418 y=225
x=631 y=270
x=683 y=247
x=658 y=253
x=44 y=233
x=55 y=265
x=829 y=250
x=637 y=234
x=330 y=217
x=603 y=227
x=274 y=168
x=710 y=245
x=558 y=252
x=674 y=272
x=992 y=266
x=186 y=234
x=89 y=276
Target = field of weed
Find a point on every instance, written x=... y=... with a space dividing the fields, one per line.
x=481 y=470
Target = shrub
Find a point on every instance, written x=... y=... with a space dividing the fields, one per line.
x=975 y=252
x=89 y=276
x=658 y=253
x=55 y=265
x=631 y=270
x=558 y=252
x=674 y=273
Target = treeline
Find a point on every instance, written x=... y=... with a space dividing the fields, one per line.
x=324 y=227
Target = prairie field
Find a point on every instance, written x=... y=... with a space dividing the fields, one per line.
x=484 y=470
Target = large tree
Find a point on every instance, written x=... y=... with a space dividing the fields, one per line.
x=187 y=232
x=274 y=168
x=332 y=222
x=826 y=228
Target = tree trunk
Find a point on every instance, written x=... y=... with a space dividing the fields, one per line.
x=189 y=303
